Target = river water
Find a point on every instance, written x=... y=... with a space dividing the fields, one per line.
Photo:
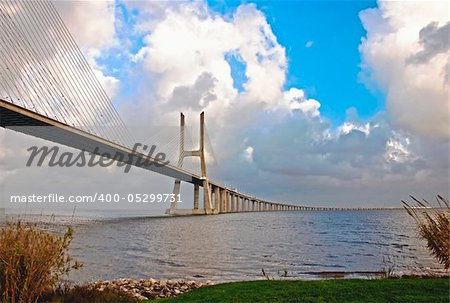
x=238 y=246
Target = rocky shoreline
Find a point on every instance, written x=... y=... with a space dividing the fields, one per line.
x=145 y=289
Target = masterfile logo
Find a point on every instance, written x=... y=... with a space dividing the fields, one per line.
x=38 y=155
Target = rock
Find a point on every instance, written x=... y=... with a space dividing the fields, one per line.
x=146 y=283
x=144 y=289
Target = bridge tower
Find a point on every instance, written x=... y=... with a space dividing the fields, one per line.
x=193 y=153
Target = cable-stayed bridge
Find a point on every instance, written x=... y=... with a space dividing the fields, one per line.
x=48 y=90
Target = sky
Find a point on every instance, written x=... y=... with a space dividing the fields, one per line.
x=326 y=103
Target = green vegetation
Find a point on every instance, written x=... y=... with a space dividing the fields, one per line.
x=378 y=290
x=31 y=261
x=434 y=226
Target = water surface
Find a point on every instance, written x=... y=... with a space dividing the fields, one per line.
x=238 y=246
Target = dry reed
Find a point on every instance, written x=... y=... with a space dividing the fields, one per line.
x=31 y=261
x=434 y=226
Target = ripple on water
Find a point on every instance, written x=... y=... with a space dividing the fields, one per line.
x=237 y=246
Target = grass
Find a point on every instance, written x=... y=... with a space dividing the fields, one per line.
x=378 y=290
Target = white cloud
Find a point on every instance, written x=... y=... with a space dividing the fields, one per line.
x=397 y=151
x=347 y=127
x=400 y=34
x=204 y=38
x=91 y=22
x=309 y=44
x=248 y=154
x=294 y=99
x=93 y=25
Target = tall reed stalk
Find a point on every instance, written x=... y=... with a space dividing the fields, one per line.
x=434 y=226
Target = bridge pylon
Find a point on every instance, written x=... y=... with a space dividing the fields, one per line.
x=207 y=201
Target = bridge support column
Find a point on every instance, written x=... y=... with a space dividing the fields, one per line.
x=196 y=195
x=217 y=206
x=224 y=198
x=207 y=203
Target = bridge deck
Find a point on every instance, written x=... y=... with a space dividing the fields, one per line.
x=22 y=120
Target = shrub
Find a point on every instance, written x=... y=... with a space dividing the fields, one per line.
x=434 y=226
x=86 y=294
x=31 y=260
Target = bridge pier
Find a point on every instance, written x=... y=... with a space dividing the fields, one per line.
x=217 y=208
x=207 y=203
x=196 y=210
x=224 y=201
